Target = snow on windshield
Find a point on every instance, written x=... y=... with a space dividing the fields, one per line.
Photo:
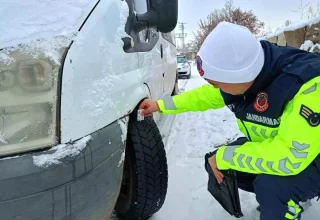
x=181 y=60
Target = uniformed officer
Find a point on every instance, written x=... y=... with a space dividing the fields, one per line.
x=274 y=92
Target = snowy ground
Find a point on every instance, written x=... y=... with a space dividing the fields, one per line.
x=191 y=137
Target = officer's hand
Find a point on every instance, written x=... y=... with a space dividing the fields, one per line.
x=148 y=106
x=217 y=173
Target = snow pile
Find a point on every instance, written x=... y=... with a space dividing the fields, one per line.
x=301 y=24
x=22 y=21
x=124 y=128
x=61 y=151
x=123 y=155
x=294 y=26
x=307 y=45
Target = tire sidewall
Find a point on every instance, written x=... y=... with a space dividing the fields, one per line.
x=138 y=171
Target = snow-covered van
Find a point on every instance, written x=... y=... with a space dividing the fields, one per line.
x=72 y=75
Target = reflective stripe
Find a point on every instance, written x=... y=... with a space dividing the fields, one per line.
x=254 y=129
x=248 y=161
x=282 y=166
x=168 y=103
x=311 y=89
x=299 y=146
x=293 y=210
x=269 y=165
x=229 y=153
x=258 y=164
x=263 y=133
x=291 y=203
x=291 y=214
x=295 y=165
x=274 y=133
x=241 y=156
x=288 y=216
x=298 y=154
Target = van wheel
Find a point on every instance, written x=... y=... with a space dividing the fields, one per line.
x=145 y=178
x=175 y=90
x=176 y=87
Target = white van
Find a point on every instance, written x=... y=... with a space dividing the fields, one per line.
x=71 y=143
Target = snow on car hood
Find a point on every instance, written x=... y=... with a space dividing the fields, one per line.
x=180 y=65
x=23 y=21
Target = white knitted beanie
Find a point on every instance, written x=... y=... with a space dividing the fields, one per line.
x=231 y=54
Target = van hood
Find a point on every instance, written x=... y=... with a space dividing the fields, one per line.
x=25 y=21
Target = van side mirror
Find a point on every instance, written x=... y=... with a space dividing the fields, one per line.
x=161 y=14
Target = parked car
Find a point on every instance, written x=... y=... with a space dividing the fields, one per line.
x=183 y=68
x=71 y=144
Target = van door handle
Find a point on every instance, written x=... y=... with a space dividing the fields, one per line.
x=161 y=50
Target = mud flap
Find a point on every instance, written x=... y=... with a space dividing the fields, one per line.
x=226 y=193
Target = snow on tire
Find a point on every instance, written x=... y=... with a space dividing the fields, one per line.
x=145 y=181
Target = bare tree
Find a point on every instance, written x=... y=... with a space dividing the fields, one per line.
x=229 y=13
x=302 y=9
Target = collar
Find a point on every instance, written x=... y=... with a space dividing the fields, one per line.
x=270 y=70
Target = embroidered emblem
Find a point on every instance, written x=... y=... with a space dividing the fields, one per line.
x=312 y=118
x=261 y=104
x=199 y=65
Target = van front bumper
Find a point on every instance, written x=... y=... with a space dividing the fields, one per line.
x=84 y=187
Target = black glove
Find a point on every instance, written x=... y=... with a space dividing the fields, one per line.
x=226 y=193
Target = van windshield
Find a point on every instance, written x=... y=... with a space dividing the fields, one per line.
x=181 y=60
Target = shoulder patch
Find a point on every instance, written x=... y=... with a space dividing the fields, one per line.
x=311 y=117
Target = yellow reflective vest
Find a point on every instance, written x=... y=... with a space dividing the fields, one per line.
x=283 y=146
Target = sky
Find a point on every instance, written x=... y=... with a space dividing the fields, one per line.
x=273 y=12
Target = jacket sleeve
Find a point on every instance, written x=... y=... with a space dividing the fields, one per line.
x=199 y=99
x=290 y=152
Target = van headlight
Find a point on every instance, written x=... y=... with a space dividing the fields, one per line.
x=35 y=75
x=28 y=103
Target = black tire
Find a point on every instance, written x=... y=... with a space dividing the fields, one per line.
x=189 y=76
x=145 y=181
x=176 y=87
